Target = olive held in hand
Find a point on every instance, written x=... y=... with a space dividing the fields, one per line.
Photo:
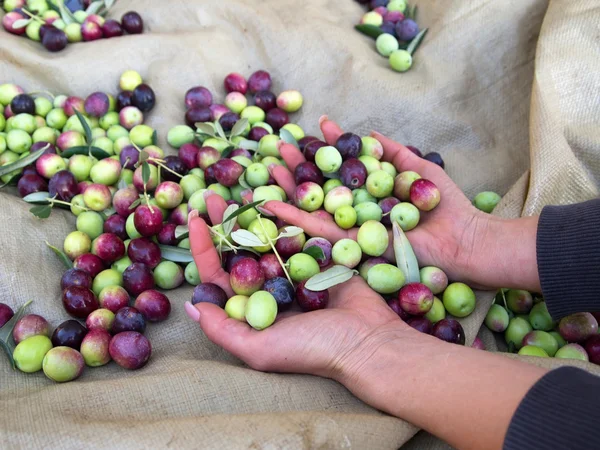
x=130 y=350
x=289 y=246
x=62 y=364
x=324 y=245
x=309 y=196
x=416 y=299
x=29 y=354
x=424 y=194
x=380 y=184
x=422 y=324
x=70 y=334
x=449 y=330
x=301 y=267
x=434 y=278
x=540 y=318
x=368 y=264
x=328 y=159
x=385 y=278
x=437 y=311
x=209 y=293
x=236 y=307
x=281 y=289
x=311 y=300
x=261 y=310
x=373 y=238
x=531 y=350
x=459 y=299
x=403 y=183
x=346 y=252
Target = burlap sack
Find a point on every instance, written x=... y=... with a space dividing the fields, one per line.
x=497 y=87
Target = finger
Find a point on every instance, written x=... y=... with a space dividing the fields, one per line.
x=303 y=219
x=321 y=214
x=403 y=159
x=247 y=196
x=216 y=206
x=284 y=179
x=205 y=255
x=238 y=338
x=331 y=130
x=291 y=155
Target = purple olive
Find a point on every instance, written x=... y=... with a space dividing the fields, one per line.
x=449 y=330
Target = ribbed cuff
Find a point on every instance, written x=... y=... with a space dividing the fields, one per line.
x=560 y=411
x=568 y=257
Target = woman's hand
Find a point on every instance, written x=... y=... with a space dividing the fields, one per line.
x=469 y=245
x=327 y=342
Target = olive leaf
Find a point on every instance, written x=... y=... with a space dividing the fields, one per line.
x=52 y=6
x=135 y=203
x=41 y=211
x=109 y=3
x=206 y=128
x=154 y=137
x=144 y=156
x=66 y=14
x=412 y=12
x=315 y=251
x=331 y=277
x=61 y=255
x=108 y=212
x=219 y=130
x=6 y=340
x=239 y=211
x=242 y=161
x=230 y=224
x=246 y=238
x=182 y=231
x=416 y=42
x=23 y=162
x=225 y=153
x=287 y=137
x=95 y=7
x=145 y=172
x=248 y=145
x=243 y=183
x=96 y=152
x=405 y=255
x=86 y=127
x=511 y=347
x=122 y=184
x=239 y=127
x=369 y=30
x=21 y=23
x=176 y=254
x=332 y=175
x=290 y=232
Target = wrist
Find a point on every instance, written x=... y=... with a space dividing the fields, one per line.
x=503 y=253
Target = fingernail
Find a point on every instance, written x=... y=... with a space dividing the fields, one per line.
x=192 y=214
x=246 y=195
x=207 y=194
x=280 y=144
x=322 y=119
x=192 y=312
x=271 y=167
x=265 y=211
x=375 y=134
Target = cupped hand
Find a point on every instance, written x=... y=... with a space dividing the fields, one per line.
x=330 y=342
x=445 y=237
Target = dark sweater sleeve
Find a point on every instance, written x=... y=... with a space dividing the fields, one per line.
x=560 y=411
x=568 y=257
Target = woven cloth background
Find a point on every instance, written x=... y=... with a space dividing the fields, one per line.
x=508 y=92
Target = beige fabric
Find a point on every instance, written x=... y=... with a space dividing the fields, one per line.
x=497 y=87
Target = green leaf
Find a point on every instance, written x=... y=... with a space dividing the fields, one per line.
x=86 y=127
x=109 y=3
x=239 y=127
x=176 y=254
x=95 y=7
x=37 y=197
x=145 y=172
x=21 y=23
x=416 y=42
x=231 y=221
x=206 y=128
x=405 y=256
x=52 y=6
x=247 y=238
x=219 y=130
x=331 y=277
x=243 y=182
x=225 y=153
x=290 y=231
x=315 y=251
x=412 y=12
x=182 y=232
x=511 y=347
x=41 y=211
x=154 y=137
x=239 y=211
x=6 y=340
x=287 y=137
x=108 y=212
x=249 y=145
x=19 y=164
x=122 y=184
x=66 y=14
x=144 y=155
x=135 y=203
x=61 y=255
x=96 y=152
x=369 y=30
